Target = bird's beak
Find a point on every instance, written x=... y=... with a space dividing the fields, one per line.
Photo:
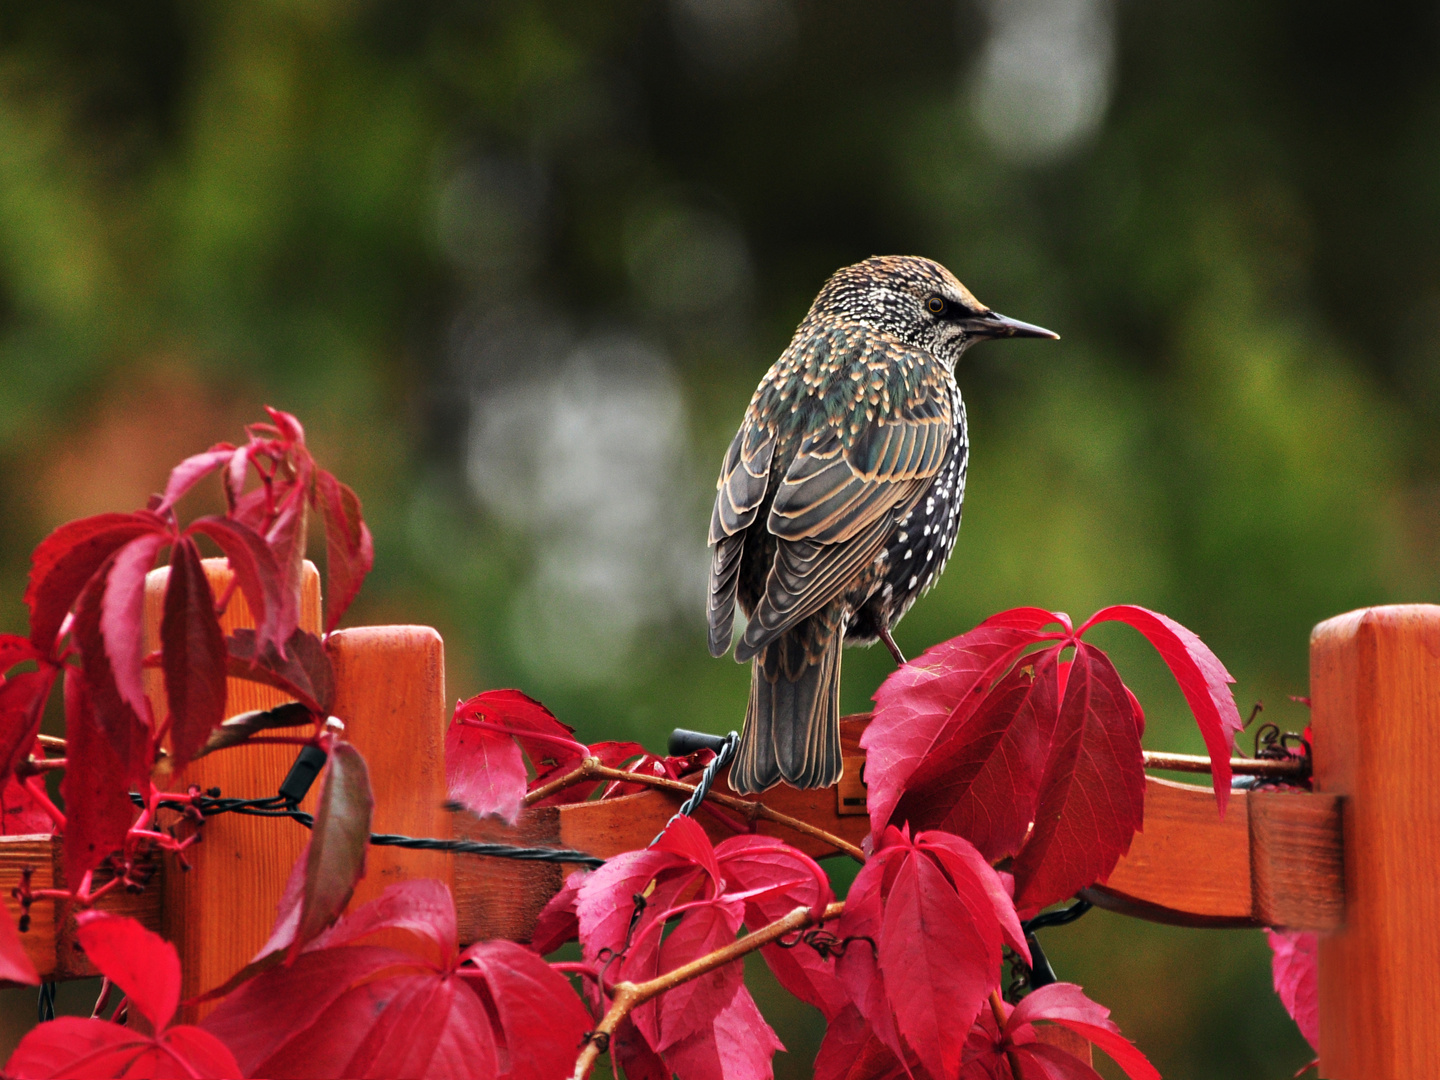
x=994 y=325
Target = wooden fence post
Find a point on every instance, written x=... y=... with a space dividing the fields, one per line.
x=1375 y=693
x=390 y=691
x=220 y=912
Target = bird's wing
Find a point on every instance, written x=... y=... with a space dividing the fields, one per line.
x=744 y=477
x=840 y=498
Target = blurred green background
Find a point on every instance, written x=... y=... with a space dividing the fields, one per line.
x=519 y=265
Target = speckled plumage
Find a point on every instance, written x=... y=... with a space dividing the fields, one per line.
x=839 y=499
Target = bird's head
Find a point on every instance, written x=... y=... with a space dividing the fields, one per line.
x=918 y=301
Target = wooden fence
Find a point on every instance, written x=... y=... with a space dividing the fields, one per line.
x=1358 y=859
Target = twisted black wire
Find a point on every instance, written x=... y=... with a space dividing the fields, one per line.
x=707 y=779
x=275 y=806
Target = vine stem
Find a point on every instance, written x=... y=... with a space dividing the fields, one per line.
x=628 y=995
x=1279 y=768
x=592 y=769
x=997 y=1009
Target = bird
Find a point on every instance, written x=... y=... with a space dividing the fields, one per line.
x=839 y=500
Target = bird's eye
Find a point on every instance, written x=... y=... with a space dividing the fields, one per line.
x=935 y=305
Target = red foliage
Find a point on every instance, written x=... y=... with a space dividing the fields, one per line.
x=348 y=1009
x=492 y=734
x=146 y=968
x=989 y=1046
x=1295 y=964
x=1027 y=754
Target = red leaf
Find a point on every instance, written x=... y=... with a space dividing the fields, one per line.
x=287 y=910
x=541 y=1019
x=256 y=572
x=22 y=705
x=121 y=723
x=605 y=899
x=688 y=840
x=286 y=538
x=143 y=964
x=305 y=671
x=550 y=745
x=859 y=966
x=15 y=965
x=1092 y=796
x=558 y=922
x=96 y=784
x=193 y=654
x=977 y=884
x=422 y=906
x=15 y=649
x=336 y=860
x=738 y=1045
x=484 y=769
x=349 y=548
x=295 y=1012
x=753 y=862
x=983 y=782
x=851 y=1051
x=191 y=471
x=67 y=559
x=122 y=613
x=73 y=1047
x=1041 y=1061
x=922 y=702
x=629 y=1048
x=20 y=814
x=1067 y=1005
x=1295 y=964
x=938 y=965
x=693 y=1005
x=1202 y=678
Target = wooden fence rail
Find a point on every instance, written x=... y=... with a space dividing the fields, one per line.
x=1358 y=859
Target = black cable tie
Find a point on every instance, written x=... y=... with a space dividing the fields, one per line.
x=302 y=774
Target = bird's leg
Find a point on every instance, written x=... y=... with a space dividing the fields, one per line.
x=890 y=644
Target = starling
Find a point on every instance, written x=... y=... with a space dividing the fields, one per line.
x=839 y=499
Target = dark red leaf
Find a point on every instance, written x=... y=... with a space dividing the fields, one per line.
x=349 y=548
x=15 y=649
x=295 y=1011
x=22 y=704
x=1041 y=1061
x=938 y=965
x=96 y=785
x=1295 y=964
x=634 y=1055
x=983 y=782
x=848 y=1041
x=67 y=559
x=923 y=701
x=541 y=1019
x=484 y=769
x=114 y=713
x=191 y=471
x=558 y=922
x=1092 y=796
x=685 y=838
x=978 y=885
x=143 y=964
x=1202 y=678
x=336 y=860
x=858 y=968
x=15 y=965
x=611 y=754
x=20 y=814
x=287 y=911
x=122 y=614
x=422 y=906
x=286 y=538
x=257 y=574
x=305 y=671
x=192 y=654
x=73 y=1047
x=738 y=1045
x=1067 y=1005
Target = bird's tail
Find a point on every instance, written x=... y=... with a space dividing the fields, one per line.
x=792 y=723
